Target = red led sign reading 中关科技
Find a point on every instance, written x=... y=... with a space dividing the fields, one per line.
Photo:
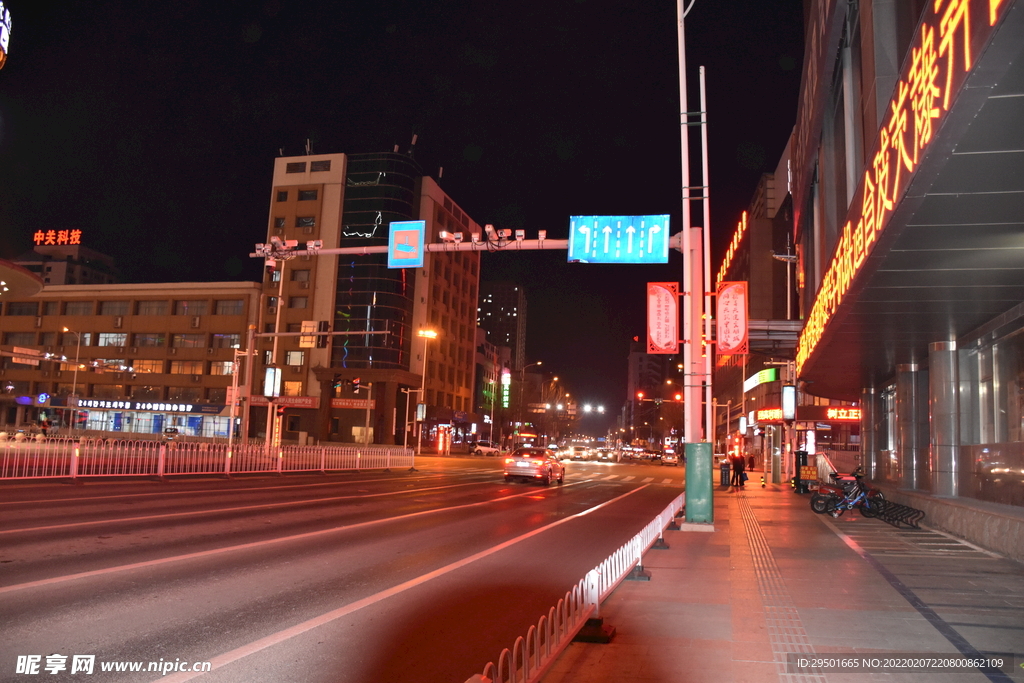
x=47 y=237
x=939 y=62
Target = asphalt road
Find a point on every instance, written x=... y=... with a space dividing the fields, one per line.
x=363 y=577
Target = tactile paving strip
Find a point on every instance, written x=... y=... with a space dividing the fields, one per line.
x=785 y=629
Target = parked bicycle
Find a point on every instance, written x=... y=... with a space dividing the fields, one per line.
x=846 y=492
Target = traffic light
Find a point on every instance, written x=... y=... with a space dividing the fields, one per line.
x=280 y=410
x=640 y=395
x=355 y=385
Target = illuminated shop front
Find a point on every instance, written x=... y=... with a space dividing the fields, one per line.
x=907 y=186
x=146 y=417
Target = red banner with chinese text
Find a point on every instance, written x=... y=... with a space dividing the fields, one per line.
x=731 y=318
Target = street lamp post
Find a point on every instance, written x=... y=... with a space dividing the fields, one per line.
x=522 y=392
x=74 y=381
x=426 y=335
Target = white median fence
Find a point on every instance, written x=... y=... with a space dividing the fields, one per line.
x=531 y=656
x=85 y=457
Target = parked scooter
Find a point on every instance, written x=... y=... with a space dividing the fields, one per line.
x=845 y=492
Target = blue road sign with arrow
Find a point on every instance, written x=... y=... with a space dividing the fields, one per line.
x=618 y=239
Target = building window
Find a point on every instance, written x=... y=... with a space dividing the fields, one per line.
x=147 y=393
x=322 y=165
x=201 y=307
x=20 y=338
x=295 y=167
x=229 y=307
x=282 y=195
x=112 y=339
x=151 y=308
x=78 y=308
x=221 y=367
x=23 y=308
x=279 y=222
x=186 y=367
x=185 y=394
x=294 y=357
x=300 y=276
x=72 y=339
x=188 y=341
x=305 y=222
x=227 y=341
x=108 y=391
x=149 y=339
x=307 y=195
x=51 y=308
x=47 y=338
x=113 y=308
x=298 y=301
x=292 y=389
x=147 y=367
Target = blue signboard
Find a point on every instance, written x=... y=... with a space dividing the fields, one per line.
x=618 y=239
x=405 y=244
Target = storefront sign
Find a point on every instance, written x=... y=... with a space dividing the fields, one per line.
x=828 y=413
x=146 y=406
x=289 y=401
x=763 y=377
x=53 y=237
x=769 y=415
x=948 y=39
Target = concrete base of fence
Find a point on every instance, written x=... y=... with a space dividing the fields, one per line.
x=696 y=526
x=660 y=544
x=638 y=573
x=595 y=631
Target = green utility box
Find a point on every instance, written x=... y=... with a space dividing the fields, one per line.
x=700 y=504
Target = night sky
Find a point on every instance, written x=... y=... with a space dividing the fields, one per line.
x=152 y=127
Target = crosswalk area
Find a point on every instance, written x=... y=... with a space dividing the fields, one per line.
x=571 y=476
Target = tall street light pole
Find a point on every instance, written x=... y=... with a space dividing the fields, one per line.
x=426 y=335
x=522 y=391
x=74 y=382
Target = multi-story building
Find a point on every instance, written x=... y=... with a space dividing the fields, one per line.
x=907 y=183
x=130 y=358
x=68 y=264
x=374 y=312
x=502 y=313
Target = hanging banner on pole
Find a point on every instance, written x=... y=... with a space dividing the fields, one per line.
x=663 y=317
x=732 y=318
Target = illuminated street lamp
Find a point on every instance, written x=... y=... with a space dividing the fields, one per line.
x=74 y=381
x=427 y=335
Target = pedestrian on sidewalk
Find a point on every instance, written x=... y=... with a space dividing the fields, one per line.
x=737 y=470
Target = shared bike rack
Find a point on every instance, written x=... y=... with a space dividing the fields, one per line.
x=897 y=513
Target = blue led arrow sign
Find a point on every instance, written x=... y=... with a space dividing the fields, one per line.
x=618 y=239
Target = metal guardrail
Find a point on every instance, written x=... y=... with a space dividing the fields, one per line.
x=532 y=655
x=90 y=457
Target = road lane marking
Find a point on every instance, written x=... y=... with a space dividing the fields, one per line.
x=308 y=625
x=629 y=478
x=610 y=476
x=264 y=506
x=666 y=481
x=283 y=487
x=244 y=546
x=648 y=480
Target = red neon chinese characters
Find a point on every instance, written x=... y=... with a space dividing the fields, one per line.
x=957 y=15
x=924 y=71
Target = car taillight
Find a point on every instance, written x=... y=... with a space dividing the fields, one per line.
x=538 y=462
x=508 y=460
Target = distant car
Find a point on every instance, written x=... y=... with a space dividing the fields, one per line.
x=650 y=455
x=670 y=459
x=579 y=453
x=484 y=448
x=605 y=455
x=534 y=464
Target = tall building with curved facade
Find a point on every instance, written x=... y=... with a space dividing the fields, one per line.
x=361 y=383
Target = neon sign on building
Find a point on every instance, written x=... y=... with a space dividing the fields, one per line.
x=47 y=237
x=939 y=62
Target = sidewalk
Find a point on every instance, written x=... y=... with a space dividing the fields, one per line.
x=774 y=578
